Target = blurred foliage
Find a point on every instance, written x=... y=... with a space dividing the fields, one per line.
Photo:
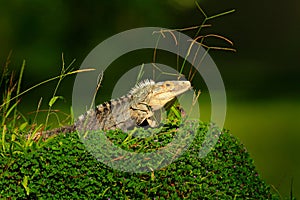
x=265 y=35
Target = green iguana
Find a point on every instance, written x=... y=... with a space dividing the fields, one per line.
x=134 y=109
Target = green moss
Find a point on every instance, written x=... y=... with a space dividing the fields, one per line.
x=63 y=169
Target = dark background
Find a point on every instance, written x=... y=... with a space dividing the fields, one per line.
x=261 y=78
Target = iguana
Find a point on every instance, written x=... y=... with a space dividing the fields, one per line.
x=134 y=109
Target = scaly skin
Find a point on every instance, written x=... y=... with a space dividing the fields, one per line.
x=133 y=109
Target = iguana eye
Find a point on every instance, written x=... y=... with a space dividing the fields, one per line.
x=167 y=84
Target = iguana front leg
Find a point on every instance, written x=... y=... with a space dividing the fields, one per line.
x=141 y=113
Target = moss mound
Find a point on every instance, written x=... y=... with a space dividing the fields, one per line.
x=64 y=169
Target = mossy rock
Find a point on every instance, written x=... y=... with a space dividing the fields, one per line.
x=64 y=169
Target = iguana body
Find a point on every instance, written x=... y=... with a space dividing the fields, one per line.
x=135 y=108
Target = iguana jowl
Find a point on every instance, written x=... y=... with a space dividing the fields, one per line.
x=135 y=108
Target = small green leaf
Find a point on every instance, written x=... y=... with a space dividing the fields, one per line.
x=13 y=137
x=54 y=99
x=11 y=109
x=23 y=126
x=25 y=184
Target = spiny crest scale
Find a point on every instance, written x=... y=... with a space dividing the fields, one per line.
x=143 y=84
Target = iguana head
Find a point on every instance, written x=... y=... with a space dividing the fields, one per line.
x=156 y=95
x=163 y=92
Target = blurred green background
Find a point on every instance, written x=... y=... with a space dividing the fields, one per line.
x=262 y=77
